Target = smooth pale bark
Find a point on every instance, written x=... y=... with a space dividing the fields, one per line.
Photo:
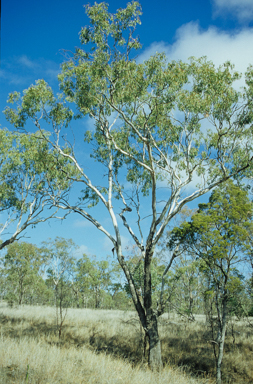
x=220 y=354
x=221 y=340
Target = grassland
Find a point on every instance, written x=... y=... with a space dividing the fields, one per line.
x=106 y=347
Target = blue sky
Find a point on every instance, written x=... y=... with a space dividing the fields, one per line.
x=34 y=33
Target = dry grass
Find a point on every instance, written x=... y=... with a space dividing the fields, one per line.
x=100 y=346
x=189 y=344
x=51 y=364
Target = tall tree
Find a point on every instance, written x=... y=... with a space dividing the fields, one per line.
x=156 y=123
x=219 y=234
x=28 y=174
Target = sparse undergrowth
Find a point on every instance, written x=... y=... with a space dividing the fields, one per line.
x=107 y=347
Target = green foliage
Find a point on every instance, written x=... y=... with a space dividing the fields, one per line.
x=52 y=275
x=219 y=233
x=29 y=172
x=154 y=121
x=58 y=256
x=22 y=264
x=104 y=80
x=184 y=287
x=136 y=266
x=93 y=280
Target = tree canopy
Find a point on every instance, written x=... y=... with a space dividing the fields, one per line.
x=28 y=174
x=219 y=234
x=180 y=126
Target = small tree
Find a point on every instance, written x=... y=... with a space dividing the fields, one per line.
x=219 y=234
x=155 y=123
x=58 y=256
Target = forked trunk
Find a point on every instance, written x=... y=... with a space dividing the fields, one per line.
x=147 y=315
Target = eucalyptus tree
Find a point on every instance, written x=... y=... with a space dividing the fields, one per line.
x=183 y=287
x=219 y=235
x=27 y=170
x=60 y=262
x=92 y=279
x=22 y=264
x=170 y=131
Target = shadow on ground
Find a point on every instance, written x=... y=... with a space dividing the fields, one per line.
x=192 y=353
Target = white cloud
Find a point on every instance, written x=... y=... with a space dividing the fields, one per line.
x=81 y=250
x=83 y=224
x=2 y=74
x=26 y=62
x=21 y=70
x=53 y=73
x=240 y=9
x=107 y=245
x=218 y=46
